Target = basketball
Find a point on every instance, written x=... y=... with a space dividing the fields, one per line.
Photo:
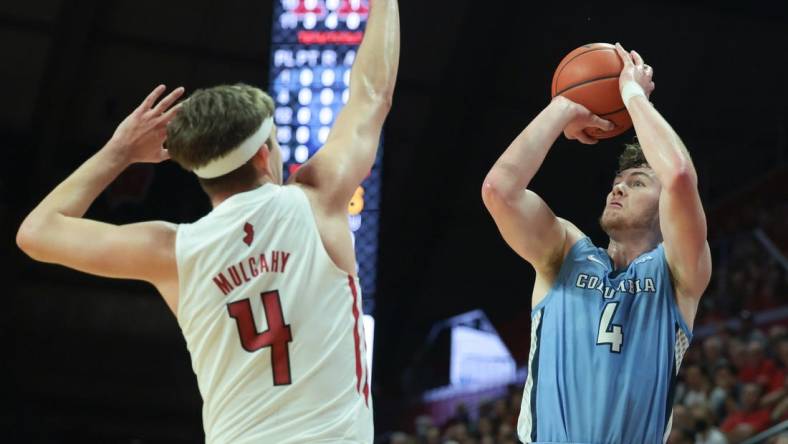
x=589 y=76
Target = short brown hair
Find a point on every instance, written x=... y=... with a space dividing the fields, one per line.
x=215 y=120
x=632 y=157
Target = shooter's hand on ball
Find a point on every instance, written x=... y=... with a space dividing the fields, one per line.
x=636 y=77
x=582 y=118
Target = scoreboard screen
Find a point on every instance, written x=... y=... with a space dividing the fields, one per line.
x=314 y=43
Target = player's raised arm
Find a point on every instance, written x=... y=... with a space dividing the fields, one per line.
x=680 y=209
x=56 y=232
x=523 y=218
x=347 y=157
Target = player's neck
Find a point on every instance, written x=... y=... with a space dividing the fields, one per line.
x=219 y=197
x=625 y=249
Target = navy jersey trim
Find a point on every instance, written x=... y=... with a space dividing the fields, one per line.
x=671 y=393
x=534 y=370
x=680 y=347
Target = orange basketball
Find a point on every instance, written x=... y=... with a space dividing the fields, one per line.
x=589 y=76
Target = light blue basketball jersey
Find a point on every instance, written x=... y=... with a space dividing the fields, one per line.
x=606 y=346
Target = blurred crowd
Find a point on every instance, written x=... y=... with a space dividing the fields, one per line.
x=732 y=385
x=745 y=277
x=494 y=422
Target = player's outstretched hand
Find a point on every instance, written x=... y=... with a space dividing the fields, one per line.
x=141 y=135
x=635 y=70
x=582 y=118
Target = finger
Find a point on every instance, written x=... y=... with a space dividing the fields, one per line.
x=637 y=58
x=585 y=139
x=171 y=113
x=169 y=100
x=625 y=57
x=152 y=97
x=604 y=125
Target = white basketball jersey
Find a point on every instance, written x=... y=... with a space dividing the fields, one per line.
x=273 y=326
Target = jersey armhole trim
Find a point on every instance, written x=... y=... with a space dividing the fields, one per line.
x=583 y=241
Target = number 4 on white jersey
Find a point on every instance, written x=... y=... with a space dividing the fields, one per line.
x=610 y=333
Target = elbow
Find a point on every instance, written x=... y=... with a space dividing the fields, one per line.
x=25 y=239
x=28 y=239
x=493 y=194
x=683 y=177
x=488 y=193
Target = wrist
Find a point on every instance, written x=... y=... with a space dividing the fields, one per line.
x=116 y=154
x=630 y=90
x=565 y=108
x=562 y=104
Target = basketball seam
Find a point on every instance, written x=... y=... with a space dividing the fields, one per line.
x=623 y=108
x=567 y=62
x=585 y=82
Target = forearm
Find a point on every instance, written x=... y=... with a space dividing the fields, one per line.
x=514 y=170
x=664 y=150
x=349 y=153
x=375 y=68
x=73 y=196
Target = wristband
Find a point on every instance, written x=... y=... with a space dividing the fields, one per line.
x=630 y=90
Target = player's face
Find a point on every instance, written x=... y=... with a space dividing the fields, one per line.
x=633 y=202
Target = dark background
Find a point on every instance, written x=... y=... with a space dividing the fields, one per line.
x=88 y=359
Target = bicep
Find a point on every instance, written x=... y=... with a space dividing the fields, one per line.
x=531 y=229
x=683 y=226
x=338 y=168
x=143 y=251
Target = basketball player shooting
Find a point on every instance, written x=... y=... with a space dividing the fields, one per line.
x=609 y=326
x=264 y=287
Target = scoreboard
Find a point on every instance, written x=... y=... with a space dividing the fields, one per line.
x=314 y=43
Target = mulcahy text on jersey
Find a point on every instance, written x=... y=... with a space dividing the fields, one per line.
x=248 y=269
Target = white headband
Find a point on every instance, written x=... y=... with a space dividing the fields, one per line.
x=238 y=155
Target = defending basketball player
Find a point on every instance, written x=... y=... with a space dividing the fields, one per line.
x=609 y=326
x=264 y=287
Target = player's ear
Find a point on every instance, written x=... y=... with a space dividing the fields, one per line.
x=261 y=157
